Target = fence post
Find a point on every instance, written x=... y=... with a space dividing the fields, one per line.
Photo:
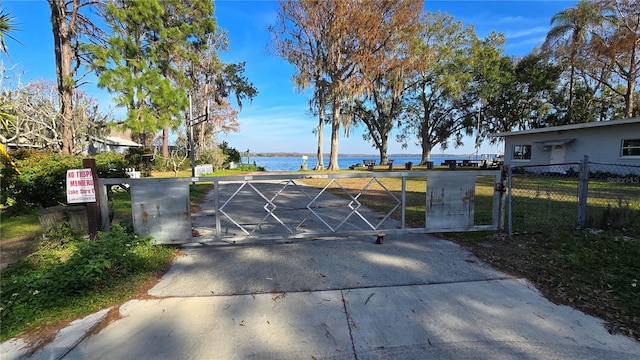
x=502 y=198
x=509 y=209
x=583 y=186
x=216 y=206
x=93 y=208
x=403 y=199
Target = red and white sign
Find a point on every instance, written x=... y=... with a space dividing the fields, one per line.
x=80 y=187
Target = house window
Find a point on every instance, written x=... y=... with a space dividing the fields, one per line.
x=521 y=152
x=631 y=147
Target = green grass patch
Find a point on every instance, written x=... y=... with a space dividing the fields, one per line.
x=375 y=196
x=120 y=203
x=19 y=224
x=242 y=169
x=542 y=203
x=594 y=271
x=197 y=194
x=70 y=276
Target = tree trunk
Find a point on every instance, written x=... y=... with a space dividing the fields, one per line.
x=62 y=34
x=165 y=141
x=384 y=150
x=426 y=154
x=144 y=139
x=628 y=102
x=319 y=155
x=426 y=145
x=570 y=107
x=335 y=134
x=632 y=81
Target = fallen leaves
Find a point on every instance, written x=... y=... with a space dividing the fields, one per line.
x=279 y=296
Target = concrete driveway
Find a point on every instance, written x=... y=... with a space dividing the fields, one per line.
x=412 y=297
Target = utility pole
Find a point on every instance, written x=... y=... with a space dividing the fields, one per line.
x=193 y=122
x=192 y=160
x=478 y=131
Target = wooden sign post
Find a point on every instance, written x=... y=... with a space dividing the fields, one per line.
x=82 y=187
x=93 y=208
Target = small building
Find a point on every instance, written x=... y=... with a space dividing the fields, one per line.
x=116 y=141
x=611 y=142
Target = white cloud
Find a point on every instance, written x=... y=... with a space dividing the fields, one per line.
x=526 y=32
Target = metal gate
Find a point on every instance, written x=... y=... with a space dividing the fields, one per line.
x=293 y=206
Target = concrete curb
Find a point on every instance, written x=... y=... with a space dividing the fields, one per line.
x=65 y=340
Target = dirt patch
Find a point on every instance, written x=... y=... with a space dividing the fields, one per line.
x=13 y=250
x=112 y=315
x=38 y=338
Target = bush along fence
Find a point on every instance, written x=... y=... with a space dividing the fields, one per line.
x=572 y=195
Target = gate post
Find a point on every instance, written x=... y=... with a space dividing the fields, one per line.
x=502 y=198
x=216 y=202
x=583 y=187
x=104 y=205
x=509 y=205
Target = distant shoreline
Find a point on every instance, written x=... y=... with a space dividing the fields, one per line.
x=310 y=155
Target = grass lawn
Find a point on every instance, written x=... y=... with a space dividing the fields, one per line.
x=19 y=225
x=19 y=234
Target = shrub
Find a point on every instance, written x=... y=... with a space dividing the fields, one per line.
x=171 y=163
x=69 y=268
x=42 y=180
x=232 y=155
x=140 y=159
x=214 y=157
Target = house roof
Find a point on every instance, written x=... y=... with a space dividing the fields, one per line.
x=569 y=127
x=116 y=141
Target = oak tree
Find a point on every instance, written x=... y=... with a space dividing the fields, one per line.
x=443 y=92
x=616 y=46
x=333 y=44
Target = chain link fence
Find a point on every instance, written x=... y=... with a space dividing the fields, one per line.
x=613 y=196
x=572 y=195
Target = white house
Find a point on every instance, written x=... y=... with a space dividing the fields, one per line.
x=611 y=142
x=116 y=141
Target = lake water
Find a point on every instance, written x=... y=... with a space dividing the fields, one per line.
x=293 y=163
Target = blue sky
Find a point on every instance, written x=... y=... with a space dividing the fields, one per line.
x=278 y=119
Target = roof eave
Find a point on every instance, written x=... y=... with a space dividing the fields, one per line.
x=567 y=127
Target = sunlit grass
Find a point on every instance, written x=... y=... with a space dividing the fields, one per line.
x=415 y=196
x=541 y=202
x=19 y=224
